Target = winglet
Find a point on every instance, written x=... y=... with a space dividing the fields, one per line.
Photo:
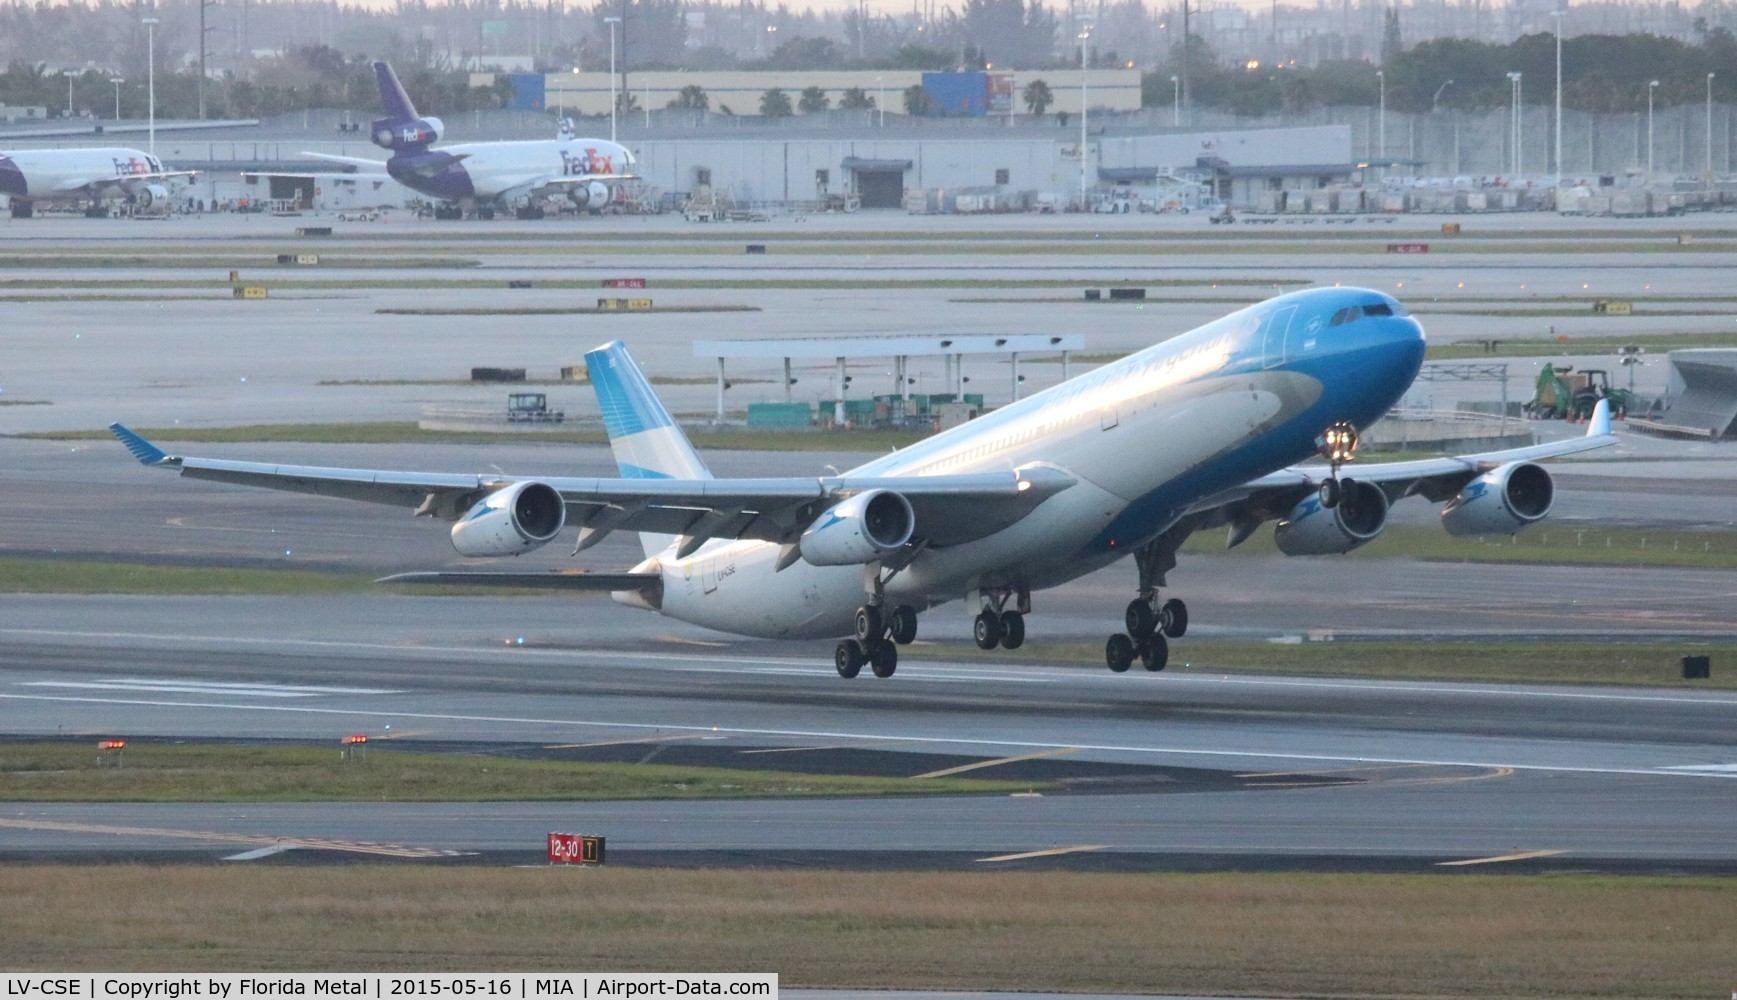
x=1599 y=425
x=146 y=452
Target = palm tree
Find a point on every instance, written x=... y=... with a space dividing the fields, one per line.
x=918 y=101
x=855 y=99
x=691 y=97
x=1038 y=97
x=813 y=99
x=775 y=103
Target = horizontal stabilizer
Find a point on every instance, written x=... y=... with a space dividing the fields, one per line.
x=554 y=579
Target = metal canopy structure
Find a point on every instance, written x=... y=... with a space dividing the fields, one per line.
x=1708 y=404
x=952 y=349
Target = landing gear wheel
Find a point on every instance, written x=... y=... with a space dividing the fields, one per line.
x=485 y=214
x=1174 y=618
x=884 y=659
x=903 y=624
x=1140 y=619
x=848 y=658
x=1119 y=653
x=1155 y=652
x=986 y=629
x=1012 y=630
x=869 y=627
x=1330 y=494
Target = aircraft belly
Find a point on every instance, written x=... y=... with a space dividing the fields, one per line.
x=732 y=588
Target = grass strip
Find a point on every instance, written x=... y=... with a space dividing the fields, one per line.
x=1526 y=347
x=68 y=576
x=1556 y=543
x=555 y=310
x=175 y=772
x=1542 y=662
x=1401 y=936
x=407 y=432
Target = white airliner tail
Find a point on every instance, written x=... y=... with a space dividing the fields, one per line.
x=647 y=442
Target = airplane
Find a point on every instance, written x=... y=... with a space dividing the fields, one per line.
x=1199 y=431
x=95 y=176
x=485 y=176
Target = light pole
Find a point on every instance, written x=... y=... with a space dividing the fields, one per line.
x=151 y=76
x=1084 y=35
x=1435 y=102
x=117 y=81
x=1517 y=135
x=881 y=98
x=1709 y=127
x=1175 y=101
x=69 y=77
x=1557 y=14
x=1381 y=121
x=1650 y=88
x=612 y=22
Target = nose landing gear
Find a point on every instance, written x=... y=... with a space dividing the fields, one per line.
x=1338 y=445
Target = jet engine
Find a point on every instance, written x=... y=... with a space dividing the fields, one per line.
x=397 y=133
x=151 y=197
x=859 y=530
x=510 y=521
x=1501 y=501
x=1313 y=530
x=592 y=196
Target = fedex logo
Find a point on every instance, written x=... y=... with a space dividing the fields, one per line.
x=592 y=162
x=133 y=166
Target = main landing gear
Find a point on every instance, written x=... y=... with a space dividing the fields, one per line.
x=997 y=624
x=1338 y=445
x=877 y=640
x=1151 y=623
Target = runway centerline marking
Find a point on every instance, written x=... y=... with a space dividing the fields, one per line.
x=169 y=686
x=1051 y=853
x=997 y=762
x=376 y=713
x=1498 y=859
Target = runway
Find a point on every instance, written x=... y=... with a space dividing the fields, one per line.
x=1173 y=770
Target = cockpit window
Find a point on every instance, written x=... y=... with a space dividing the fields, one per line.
x=1377 y=309
x=1346 y=315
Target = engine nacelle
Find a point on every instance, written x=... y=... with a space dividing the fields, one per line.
x=859 y=530
x=1313 y=530
x=510 y=521
x=151 y=196
x=594 y=195
x=1501 y=501
x=397 y=133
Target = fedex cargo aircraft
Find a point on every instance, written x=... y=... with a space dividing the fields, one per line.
x=1198 y=431
x=485 y=177
x=93 y=177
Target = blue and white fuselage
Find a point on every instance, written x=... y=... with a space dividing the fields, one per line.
x=1146 y=437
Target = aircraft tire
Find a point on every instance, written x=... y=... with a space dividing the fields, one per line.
x=1119 y=653
x=1012 y=630
x=1330 y=493
x=1154 y=652
x=1139 y=619
x=869 y=627
x=848 y=658
x=903 y=624
x=1174 y=616
x=986 y=629
x=884 y=659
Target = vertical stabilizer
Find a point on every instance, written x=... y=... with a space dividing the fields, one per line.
x=393 y=100
x=647 y=442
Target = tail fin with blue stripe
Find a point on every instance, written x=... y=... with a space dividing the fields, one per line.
x=647 y=442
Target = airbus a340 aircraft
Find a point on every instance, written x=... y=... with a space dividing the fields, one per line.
x=91 y=176
x=485 y=176
x=1195 y=432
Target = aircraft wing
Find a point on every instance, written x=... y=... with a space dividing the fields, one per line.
x=552 y=579
x=949 y=509
x=1436 y=479
x=130 y=180
x=366 y=165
